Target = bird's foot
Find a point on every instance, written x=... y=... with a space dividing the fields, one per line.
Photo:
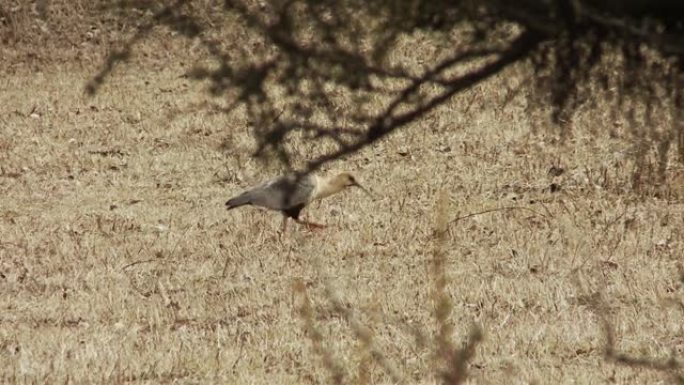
x=312 y=226
x=315 y=226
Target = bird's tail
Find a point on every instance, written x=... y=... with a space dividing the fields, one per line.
x=238 y=201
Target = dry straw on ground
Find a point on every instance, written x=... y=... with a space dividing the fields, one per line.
x=118 y=263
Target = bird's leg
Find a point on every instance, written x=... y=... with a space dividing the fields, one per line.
x=311 y=225
x=284 y=229
x=281 y=233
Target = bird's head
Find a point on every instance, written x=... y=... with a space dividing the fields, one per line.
x=345 y=179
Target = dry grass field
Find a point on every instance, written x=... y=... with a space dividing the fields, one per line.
x=119 y=263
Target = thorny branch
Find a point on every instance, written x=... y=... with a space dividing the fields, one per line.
x=298 y=60
x=670 y=366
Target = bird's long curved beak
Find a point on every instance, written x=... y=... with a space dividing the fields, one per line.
x=364 y=190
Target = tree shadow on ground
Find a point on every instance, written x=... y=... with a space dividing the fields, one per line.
x=328 y=71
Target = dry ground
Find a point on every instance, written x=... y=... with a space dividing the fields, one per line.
x=119 y=264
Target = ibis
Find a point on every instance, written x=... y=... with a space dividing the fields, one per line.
x=290 y=193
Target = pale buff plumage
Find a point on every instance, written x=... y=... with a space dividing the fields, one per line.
x=291 y=193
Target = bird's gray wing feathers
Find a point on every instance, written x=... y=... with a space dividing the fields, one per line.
x=278 y=194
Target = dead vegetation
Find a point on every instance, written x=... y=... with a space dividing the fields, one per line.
x=496 y=253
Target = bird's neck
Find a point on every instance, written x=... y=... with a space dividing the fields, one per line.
x=327 y=187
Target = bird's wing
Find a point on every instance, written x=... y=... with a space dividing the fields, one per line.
x=283 y=192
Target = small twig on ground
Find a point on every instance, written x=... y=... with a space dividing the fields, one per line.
x=137 y=263
x=507 y=208
x=239 y=355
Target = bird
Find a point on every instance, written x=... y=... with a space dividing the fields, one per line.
x=290 y=193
